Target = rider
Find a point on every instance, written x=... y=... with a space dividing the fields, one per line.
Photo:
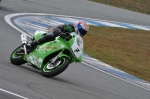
x=81 y=28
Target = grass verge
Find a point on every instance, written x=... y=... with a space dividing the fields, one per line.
x=142 y=6
x=125 y=49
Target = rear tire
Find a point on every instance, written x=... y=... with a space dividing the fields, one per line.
x=17 y=59
x=56 y=71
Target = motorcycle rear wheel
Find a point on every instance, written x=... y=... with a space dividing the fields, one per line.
x=56 y=70
x=16 y=58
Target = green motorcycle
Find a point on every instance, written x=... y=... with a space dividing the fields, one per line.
x=51 y=58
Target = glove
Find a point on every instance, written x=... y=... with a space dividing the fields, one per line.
x=66 y=36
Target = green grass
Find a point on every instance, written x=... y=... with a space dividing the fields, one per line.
x=142 y=6
x=125 y=49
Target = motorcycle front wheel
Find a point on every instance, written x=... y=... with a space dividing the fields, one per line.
x=51 y=72
x=16 y=57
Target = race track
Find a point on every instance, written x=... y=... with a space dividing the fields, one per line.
x=78 y=81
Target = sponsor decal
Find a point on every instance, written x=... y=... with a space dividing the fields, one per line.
x=50 y=48
x=36 y=61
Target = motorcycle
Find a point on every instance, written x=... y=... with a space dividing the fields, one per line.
x=51 y=58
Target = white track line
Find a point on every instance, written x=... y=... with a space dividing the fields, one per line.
x=37 y=27
x=48 y=21
x=118 y=77
x=13 y=93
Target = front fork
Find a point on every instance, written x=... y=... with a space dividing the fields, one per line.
x=53 y=62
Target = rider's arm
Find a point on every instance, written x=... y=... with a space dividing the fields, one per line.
x=63 y=28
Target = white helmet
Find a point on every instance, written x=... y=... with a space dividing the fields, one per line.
x=81 y=27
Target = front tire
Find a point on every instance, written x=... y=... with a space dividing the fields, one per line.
x=16 y=58
x=57 y=70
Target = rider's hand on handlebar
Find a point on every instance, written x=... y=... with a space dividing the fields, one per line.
x=66 y=36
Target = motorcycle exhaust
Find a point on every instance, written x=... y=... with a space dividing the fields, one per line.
x=24 y=42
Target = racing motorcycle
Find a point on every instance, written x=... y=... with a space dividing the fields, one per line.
x=51 y=58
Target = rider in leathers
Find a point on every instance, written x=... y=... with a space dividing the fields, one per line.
x=80 y=28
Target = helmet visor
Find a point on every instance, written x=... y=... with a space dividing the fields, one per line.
x=81 y=30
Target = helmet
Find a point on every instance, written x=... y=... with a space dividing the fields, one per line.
x=81 y=27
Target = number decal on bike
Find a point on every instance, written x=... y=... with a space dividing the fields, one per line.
x=76 y=50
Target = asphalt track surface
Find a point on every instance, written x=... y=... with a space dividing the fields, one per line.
x=78 y=81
